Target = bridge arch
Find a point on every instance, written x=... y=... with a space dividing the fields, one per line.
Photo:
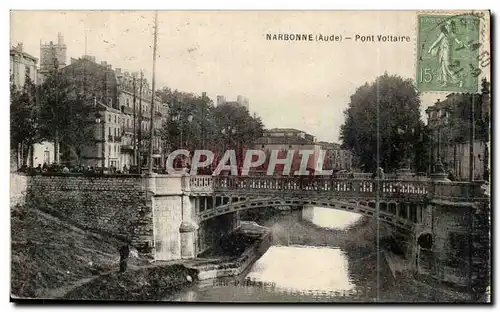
x=363 y=207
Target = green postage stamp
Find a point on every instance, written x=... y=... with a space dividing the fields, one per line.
x=448 y=52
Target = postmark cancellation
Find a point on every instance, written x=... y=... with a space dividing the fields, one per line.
x=450 y=51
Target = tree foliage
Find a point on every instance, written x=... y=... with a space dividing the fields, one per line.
x=66 y=115
x=24 y=126
x=194 y=123
x=382 y=124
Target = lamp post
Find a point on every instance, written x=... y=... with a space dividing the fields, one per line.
x=101 y=122
x=179 y=118
x=228 y=131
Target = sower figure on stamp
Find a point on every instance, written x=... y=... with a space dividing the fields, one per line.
x=124 y=254
x=442 y=48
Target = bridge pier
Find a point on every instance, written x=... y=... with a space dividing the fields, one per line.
x=174 y=224
x=188 y=229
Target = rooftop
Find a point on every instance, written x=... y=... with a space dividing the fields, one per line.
x=293 y=140
x=19 y=50
x=284 y=130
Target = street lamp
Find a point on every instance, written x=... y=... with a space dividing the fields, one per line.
x=101 y=122
x=178 y=118
x=405 y=163
x=229 y=130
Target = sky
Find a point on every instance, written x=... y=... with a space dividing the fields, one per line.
x=302 y=85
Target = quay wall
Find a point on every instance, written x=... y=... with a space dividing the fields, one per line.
x=117 y=205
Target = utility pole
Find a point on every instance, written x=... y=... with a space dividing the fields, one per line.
x=151 y=126
x=471 y=141
x=134 y=145
x=105 y=100
x=103 y=137
x=139 y=139
x=471 y=177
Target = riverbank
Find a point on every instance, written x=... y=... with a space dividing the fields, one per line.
x=48 y=253
x=142 y=284
x=240 y=249
x=234 y=256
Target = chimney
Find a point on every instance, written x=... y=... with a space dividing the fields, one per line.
x=20 y=47
x=118 y=71
x=60 y=39
x=203 y=95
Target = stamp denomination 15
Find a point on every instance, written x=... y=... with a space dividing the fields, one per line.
x=448 y=56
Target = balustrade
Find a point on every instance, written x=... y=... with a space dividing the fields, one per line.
x=367 y=188
x=201 y=183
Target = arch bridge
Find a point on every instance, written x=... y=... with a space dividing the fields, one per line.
x=400 y=202
x=190 y=212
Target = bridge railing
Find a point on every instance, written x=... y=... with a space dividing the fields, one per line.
x=367 y=188
x=465 y=191
x=363 y=188
x=202 y=183
x=354 y=175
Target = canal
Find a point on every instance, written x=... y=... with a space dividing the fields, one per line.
x=331 y=259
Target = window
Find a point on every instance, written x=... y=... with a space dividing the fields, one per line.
x=109 y=130
x=115 y=118
x=109 y=118
x=128 y=102
x=46 y=157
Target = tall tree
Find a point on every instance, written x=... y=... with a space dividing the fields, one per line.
x=195 y=123
x=24 y=127
x=382 y=123
x=67 y=116
x=236 y=127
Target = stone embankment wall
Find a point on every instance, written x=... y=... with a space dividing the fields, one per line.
x=116 y=205
x=18 y=185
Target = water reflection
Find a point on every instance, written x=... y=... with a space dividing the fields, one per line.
x=303 y=268
x=334 y=219
x=300 y=272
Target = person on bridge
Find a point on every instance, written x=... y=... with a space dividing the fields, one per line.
x=379 y=174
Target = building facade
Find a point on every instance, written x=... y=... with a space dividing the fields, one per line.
x=452 y=135
x=23 y=66
x=289 y=139
x=124 y=101
x=336 y=158
x=135 y=100
x=241 y=101
x=52 y=55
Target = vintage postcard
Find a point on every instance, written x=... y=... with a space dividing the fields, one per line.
x=250 y=156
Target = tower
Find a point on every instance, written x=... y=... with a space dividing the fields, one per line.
x=52 y=55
